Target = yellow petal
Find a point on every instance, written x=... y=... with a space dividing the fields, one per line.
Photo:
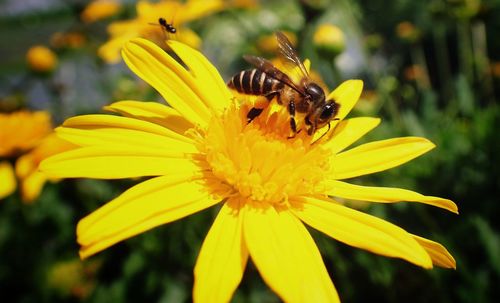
x=149 y=204
x=439 y=255
x=7 y=179
x=98 y=122
x=385 y=195
x=126 y=139
x=189 y=37
x=195 y=9
x=98 y=10
x=378 y=156
x=22 y=130
x=110 y=51
x=178 y=11
x=208 y=84
x=32 y=185
x=346 y=94
x=222 y=259
x=349 y=131
x=361 y=230
x=286 y=256
x=115 y=162
x=153 y=112
x=168 y=77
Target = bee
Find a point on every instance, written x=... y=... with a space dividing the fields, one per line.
x=168 y=27
x=305 y=96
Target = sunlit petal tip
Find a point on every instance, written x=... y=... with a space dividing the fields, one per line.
x=84 y=253
x=385 y=195
x=438 y=253
x=362 y=230
x=447 y=204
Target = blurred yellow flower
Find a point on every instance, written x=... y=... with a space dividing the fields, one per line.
x=22 y=130
x=407 y=31
x=73 y=277
x=30 y=178
x=146 y=24
x=201 y=152
x=100 y=9
x=41 y=59
x=495 y=69
x=329 y=40
x=268 y=43
x=67 y=40
x=248 y=4
x=28 y=137
x=7 y=179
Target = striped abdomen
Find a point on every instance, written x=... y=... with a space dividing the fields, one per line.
x=254 y=82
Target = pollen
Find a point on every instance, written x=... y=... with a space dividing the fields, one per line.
x=259 y=160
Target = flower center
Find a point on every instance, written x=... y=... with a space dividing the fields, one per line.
x=258 y=160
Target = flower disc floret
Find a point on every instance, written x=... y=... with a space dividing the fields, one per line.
x=259 y=161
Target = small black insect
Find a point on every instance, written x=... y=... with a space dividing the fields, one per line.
x=168 y=27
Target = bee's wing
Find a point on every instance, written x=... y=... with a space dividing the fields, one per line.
x=272 y=71
x=288 y=52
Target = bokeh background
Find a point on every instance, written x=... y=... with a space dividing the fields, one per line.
x=431 y=68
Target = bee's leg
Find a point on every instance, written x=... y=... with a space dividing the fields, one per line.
x=293 y=124
x=310 y=126
x=253 y=113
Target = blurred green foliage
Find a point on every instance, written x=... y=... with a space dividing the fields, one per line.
x=431 y=68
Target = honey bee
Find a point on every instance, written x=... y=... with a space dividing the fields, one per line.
x=305 y=96
x=168 y=27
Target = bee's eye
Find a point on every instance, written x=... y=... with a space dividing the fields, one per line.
x=327 y=112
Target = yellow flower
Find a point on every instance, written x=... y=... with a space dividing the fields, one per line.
x=201 y=152
x=41 y=59
x=329 y=39
x=407 y=31
x=26 y=136
x=268 y=43
x=7 y=179
x=100 y=9
x=22 y=130
x=31 y=179
x=67 y=40
x=146 y=24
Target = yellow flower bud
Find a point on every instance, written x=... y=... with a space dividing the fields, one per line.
x=329 y=40
x=268 y=44
x=100 y=9
x=41 y=59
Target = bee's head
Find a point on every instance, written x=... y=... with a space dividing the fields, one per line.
x=322 y=115
x=315 y=92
